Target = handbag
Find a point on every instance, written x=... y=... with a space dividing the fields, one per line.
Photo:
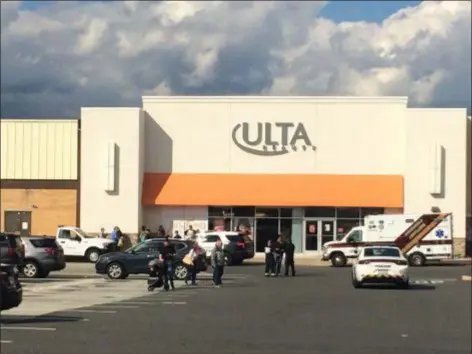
x=187 y=260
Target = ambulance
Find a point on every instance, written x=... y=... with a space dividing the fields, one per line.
x=421 y=238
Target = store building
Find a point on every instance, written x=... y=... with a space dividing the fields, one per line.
x=39 y=175
x=309 y=167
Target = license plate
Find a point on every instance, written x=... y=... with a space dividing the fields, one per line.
x=383 y=271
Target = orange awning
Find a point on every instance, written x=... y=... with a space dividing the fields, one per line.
x=273 y=190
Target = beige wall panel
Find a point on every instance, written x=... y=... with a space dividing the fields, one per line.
x=52 y=207
x=39 y=149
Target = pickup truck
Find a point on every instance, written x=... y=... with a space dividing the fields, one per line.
x=76 y=243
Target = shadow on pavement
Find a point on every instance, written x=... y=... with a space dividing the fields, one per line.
x=5 y=319
x=250 y=264
x=448 y=264
x=392 y=287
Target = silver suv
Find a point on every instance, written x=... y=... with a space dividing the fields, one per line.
x=42 y=256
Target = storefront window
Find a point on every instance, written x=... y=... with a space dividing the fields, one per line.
x=222 y=211
x=320 y=212
x=267 y=212
x=248 y=211
x=286 y=212
x=244 y=225
x=266 y=229
x=348 y=213
x=371 y=211
x=219 y=224
x=343 y=226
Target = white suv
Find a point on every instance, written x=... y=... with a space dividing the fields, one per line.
x=237 y=246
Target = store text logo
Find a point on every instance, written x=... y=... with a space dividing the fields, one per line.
x=271 y=139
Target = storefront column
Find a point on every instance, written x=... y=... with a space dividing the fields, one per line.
x=297 y=229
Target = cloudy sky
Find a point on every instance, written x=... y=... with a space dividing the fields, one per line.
x=59 y=56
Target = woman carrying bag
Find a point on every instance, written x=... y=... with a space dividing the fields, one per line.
x=189 y=260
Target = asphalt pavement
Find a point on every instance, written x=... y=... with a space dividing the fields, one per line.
x=316 y=312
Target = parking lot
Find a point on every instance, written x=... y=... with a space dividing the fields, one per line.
x=316 y=312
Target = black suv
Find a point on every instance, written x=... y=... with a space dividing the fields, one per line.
x=135 y=260
x=12 y=250
x=11 y=293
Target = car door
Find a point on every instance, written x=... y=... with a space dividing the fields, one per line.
x=68 y=242
x=141 y=257
x=208 y=243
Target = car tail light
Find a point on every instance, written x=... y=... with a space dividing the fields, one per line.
x=241 y=244
x=364 y=262
x=11 y=252
x=50 y=251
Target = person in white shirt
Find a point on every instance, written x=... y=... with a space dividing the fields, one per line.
x=189 y=233
x=192 y=269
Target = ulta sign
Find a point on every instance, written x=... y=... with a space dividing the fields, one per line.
x=272 y=139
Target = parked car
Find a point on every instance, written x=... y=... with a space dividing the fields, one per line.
x=11 y=292
x=380 y=265
x=42 y=256
x=237 y=246
x=76 y=243
x=12 y=250
x=135 y=260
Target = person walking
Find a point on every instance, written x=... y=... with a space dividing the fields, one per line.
x=192 y=268
x=289 y=249
x=143 y=234
x=269 y=259
x=278 y=254
x=218 y=263
x=115 y=238
x=167 y=254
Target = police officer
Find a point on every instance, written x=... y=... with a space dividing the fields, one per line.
x=167 y=254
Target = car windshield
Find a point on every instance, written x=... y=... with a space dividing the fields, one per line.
x=82 y=233
x=381 y=252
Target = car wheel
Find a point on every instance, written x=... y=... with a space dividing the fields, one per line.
x=92 y=255
x=115 y=271
x=180 y=272
x=416 y=260
x=338 y=259
x=31 y=269
x=355 y=283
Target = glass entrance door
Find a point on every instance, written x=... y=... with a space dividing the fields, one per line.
x=317 y=233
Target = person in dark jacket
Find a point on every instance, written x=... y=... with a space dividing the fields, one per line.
x=269 y=259
x=289 y=249
x=218 y=263
x=278 y=254
x=167 y=254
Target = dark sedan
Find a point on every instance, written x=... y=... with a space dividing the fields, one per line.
x=135 y=260
x=11 y=292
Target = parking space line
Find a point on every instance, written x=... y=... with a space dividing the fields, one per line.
x=5 y=341
x=134 y=303
x=28 y=328
x=90 y=311
x=174 y=303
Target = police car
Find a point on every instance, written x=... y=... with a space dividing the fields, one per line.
x=380 y=265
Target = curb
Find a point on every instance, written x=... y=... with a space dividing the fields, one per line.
x=467 y=278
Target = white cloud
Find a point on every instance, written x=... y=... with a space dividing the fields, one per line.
x=60 y=57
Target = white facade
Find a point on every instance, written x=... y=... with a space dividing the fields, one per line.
x=191 y=137
x=100 y=206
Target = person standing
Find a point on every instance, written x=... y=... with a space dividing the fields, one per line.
x=278 y=254
x=115 y=238
x=289 y=249
x=218 y=263
x=143 y=234
x=269 y=259
x=102 y=233
x=190 y=233
x=192 y=268
x=177 y=235
x=167 y=254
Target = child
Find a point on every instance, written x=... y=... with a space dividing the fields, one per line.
x=269 y=259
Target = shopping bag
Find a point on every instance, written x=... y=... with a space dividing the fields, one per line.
x=120 y=242
x=188 y=260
